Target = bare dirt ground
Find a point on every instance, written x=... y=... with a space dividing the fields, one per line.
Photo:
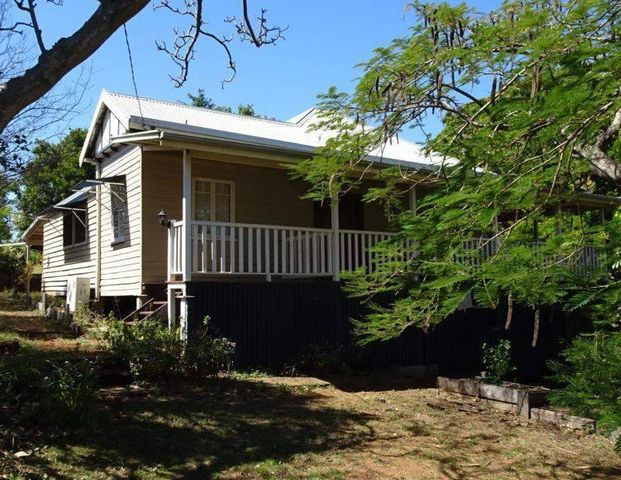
x=242 y=426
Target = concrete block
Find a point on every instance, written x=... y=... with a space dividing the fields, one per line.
x=562 y=419
x=503 y=406
x=465 y=386
x=499 y=393
x=523 y=404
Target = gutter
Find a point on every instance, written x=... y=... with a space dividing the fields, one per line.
x=134 y=137
x=282 y=147
x=291 y=148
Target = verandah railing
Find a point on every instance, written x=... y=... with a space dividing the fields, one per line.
x=219 y=248
x=585 y=261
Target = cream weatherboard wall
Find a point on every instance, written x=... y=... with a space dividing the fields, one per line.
x=121 y=270
x=60 y=263
x=120 y=262
x=263 y=195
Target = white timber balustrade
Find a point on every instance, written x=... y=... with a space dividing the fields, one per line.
x=357 y=249
x=221 y=248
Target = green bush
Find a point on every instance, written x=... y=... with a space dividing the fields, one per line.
x=327 y=358
x=155 y=351
x=68 y=392
x=591 y=379
x=497 y=361
x=59 y=394
x=83 y=318
x=208 y=356
x=152 y=350
x=9 y=385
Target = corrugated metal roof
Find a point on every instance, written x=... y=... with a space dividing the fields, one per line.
x=294 y=134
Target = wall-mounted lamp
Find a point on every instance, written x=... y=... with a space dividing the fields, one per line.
x=163 y=218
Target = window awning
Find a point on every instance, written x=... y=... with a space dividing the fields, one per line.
x=92 y=183
x=74 y=201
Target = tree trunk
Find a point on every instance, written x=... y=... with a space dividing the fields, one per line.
x=509 y=312
x=536 y=327
x=64 y=56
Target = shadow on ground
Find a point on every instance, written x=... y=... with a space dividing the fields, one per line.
x=196 y=432
x=376 y=381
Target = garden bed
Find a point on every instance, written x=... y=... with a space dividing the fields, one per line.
x=523 y=400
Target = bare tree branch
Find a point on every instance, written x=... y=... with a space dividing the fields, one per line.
x=267 y=35
x=184 y=46
x=54 y=63
x=183 y=49
x=34 y=23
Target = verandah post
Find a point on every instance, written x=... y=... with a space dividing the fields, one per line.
x=413 y=201
x=336 y=254
x=170 y=253
x=171 y=307
x=186 y=211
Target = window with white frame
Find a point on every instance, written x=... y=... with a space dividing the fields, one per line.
x=214 y=200
x=118 y=212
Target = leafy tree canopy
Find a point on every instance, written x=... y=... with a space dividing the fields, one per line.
x=529 y=99
x=203 y=101
x=49 y=176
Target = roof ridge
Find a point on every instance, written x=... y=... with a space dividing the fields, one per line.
x=203 y=109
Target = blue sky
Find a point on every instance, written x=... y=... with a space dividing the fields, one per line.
x=324 y=42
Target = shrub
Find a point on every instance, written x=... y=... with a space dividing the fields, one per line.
x=327 y=358
x=208 y=356
x=68 y=392
x=152 y=350
x=497 y=361
x=9 y=384
x=155 y=351
x=61 y=394
x=591 y=379
x=83 y=319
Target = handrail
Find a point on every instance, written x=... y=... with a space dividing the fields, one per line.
x=368 y=232
x=260 y=225
x=134 y=312
x=179 y=223
x=148 y=302
x=157 y=310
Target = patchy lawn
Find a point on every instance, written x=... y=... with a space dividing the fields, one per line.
x=249 y=426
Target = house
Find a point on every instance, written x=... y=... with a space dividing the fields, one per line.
x=221 y=179
x=195 y=209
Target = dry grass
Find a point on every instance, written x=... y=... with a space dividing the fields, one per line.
x=253 y=427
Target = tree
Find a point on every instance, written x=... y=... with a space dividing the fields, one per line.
x=49 y=176
x=27 y=80
x=201 y=100
x=530 y=100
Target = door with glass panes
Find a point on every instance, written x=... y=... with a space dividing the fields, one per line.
x=212 y=201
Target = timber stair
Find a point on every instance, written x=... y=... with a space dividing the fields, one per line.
x=154 y=307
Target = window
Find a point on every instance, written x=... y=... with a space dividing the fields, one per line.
x=214 y=200
x=74 y=228
x=118 y=209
